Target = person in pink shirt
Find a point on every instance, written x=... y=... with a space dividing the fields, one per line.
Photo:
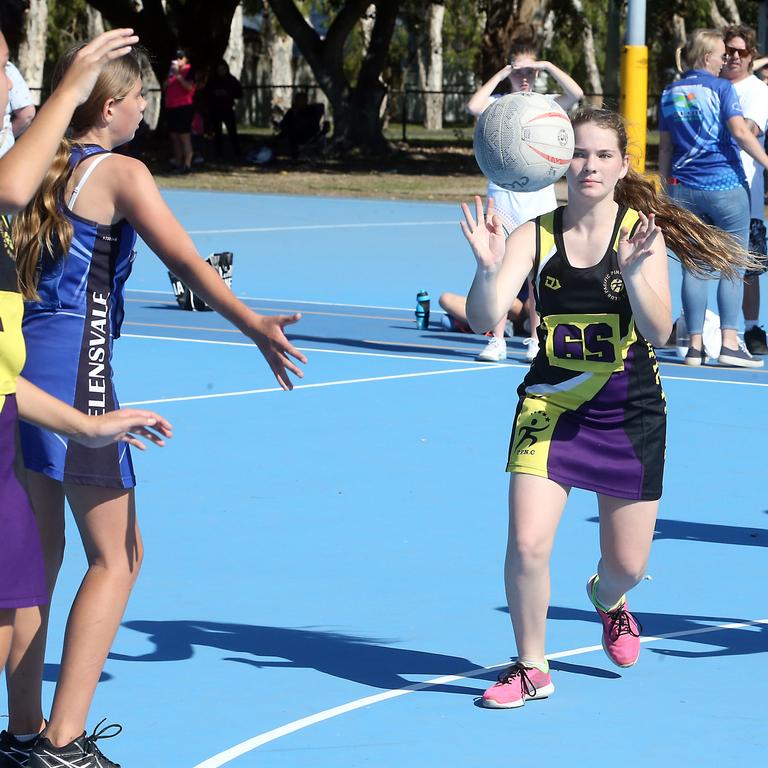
x=179 y=94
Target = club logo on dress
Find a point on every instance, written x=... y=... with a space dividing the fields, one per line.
x=536 y=422
x=552 y=282
x=613 y=285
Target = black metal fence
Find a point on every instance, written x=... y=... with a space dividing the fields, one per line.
x=262 y=106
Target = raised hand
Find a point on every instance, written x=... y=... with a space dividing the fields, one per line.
x=484 y=234
x=273 y=344
x=634 y=250
x=88 y=62
x=125 y=426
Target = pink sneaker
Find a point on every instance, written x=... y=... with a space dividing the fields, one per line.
x=621 y=631
x=517 y=684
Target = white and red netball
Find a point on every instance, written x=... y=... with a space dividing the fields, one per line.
x=523 y=142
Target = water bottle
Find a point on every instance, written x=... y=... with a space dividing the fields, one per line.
x=422 y=310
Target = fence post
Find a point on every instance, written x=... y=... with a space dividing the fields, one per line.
x=405 y=114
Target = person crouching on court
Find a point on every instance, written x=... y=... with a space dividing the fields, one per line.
x=591 y=411
x=75 y=246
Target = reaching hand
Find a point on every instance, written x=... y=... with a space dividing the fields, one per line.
x=123 y=426
x=484 y=234
x=88 y=62
x=271 y=341
x=633 y=251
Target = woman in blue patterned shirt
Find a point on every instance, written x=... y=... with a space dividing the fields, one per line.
x=702 y=128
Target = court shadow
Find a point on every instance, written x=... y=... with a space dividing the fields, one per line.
x=377 y=346
x=51 y=674
x=742 y=641
x=683 y=530
x=368 y=661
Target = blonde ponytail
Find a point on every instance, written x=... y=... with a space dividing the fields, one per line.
x=42 y=224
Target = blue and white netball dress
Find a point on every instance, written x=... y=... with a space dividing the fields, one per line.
x=592 y=413
x=69 y=334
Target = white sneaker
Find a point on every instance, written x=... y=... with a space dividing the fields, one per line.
x=495 y=350
x=532 y=348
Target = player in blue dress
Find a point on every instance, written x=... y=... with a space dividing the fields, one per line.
x=24 y=588
x=591 y=412
x=75 y=244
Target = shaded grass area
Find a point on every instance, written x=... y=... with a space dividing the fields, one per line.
x=434 y=165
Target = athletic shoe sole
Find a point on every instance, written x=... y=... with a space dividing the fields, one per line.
x=541 y=693
x=739 y=362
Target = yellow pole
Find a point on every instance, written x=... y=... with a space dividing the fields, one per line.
x=634 y=101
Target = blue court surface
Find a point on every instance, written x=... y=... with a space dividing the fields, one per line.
x=323 y=576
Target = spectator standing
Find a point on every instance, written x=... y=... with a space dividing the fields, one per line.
x=179 y=104
x=701 y=129
x=741 y=47
x=223 y=90
x=515 y=208
x=19 y=110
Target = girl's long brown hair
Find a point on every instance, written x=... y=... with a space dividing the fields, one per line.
x=700 y=247
x=42 y=224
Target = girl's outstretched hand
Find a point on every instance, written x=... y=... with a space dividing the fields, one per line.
x=270 y=338
x=484 y=234
x=125 y=426
x=88 y=62
x=634 y=250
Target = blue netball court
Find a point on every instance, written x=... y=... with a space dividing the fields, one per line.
x=323 y=576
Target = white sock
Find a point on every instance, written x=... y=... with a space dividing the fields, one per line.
x=750 y=324
x=542 y=667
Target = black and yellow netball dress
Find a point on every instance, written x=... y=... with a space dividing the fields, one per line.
x=592 y=412
x=22 y=573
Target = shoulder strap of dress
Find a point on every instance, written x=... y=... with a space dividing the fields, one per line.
x=88 y=171
x=545 y=238
x=629 y=221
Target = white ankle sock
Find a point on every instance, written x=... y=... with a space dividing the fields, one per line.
x=750 y=324
x=541 y=666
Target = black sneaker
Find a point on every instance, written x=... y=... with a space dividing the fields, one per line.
x=695 y=356
x=755 y=340
x=738 y=358
x=14 y=753
x=80 y=753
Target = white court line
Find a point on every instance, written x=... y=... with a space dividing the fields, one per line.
x=400 y=357
x=713 y=381
x=298 y=301
x=485 y=367
x=303 y=227
x=251 y=345
x=264 y=738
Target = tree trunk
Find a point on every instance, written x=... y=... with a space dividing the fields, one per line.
x=594 y=84
x=731 y=14
x=433 y=119
x=235 y=53
x=279 y=47
x=94 y=23
x=507 y=22
x=714 y=14
x=356 y=111
x=202 y=26
x=31 y=59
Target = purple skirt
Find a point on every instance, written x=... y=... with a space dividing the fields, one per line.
x=22 y=571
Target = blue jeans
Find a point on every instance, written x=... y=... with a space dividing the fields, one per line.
x=729 y=210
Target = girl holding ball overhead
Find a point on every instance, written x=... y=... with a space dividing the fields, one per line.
x=591 y=411
x=515 y=208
